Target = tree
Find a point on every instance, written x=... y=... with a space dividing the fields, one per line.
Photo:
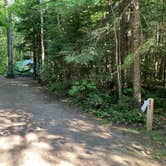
x=117 y=56
x=30 y=26
x=136 y=45
x=42 y=35
x=104 y=50
x=10 y=73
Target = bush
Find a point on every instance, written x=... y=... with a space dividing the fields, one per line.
x=102 y=105
x=82 y=89
x=99 y=102
x=59 y=88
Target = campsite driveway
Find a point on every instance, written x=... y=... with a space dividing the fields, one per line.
x=37 y=130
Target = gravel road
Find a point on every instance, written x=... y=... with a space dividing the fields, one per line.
x=38 y=130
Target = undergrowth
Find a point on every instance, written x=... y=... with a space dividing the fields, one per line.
x=100 y=102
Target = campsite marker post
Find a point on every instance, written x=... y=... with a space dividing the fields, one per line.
x=149 y=122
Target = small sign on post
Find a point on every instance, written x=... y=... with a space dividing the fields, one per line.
x=149 y=123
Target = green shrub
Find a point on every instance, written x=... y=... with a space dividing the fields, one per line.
x=82 y=88
x=59 y=88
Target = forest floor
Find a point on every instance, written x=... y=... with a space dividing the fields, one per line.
x=38 y=130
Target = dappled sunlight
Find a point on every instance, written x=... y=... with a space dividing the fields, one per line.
x=38 y=147
x=10 y=142
x=14 y=82
x=123 y=160
x=36 y=132
x=26 y=144
x=18 y=84
x=35 y=147
x=31 y=157
x=36 y=152
x=137 y=147
x=25 y=150
x=13 y=122
x=31 y=137
x=119 y=159
x=7 y=123
x=65 y=163
x=6 y=159
x=78 y=125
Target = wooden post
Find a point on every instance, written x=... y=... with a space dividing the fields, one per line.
x=150 y=108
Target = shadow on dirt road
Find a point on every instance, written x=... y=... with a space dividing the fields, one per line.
x=37 y=131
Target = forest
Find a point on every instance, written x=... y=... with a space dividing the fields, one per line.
x=76 y=77
x=106 y=56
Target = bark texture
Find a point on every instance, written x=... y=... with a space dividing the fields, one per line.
x=136 y=44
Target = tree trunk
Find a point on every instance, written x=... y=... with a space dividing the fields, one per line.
x=10 y=73
x=164 y=76
x=35 y=58
x=117 y=54
x=42 y=35
x=124 y=39
x=136 y=44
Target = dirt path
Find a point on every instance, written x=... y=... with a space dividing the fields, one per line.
x=38 y=131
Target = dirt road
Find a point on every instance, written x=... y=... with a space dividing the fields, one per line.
x=37 y=130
